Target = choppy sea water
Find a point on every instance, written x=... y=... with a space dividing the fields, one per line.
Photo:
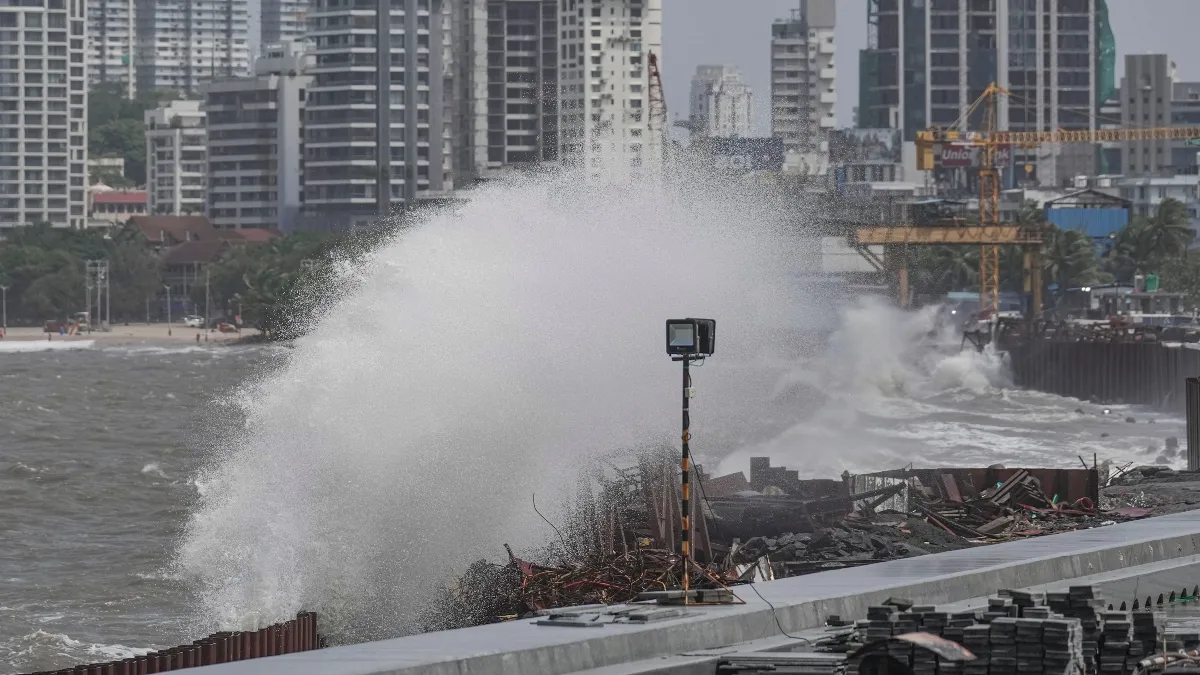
x=100 y=448
x=95 y=459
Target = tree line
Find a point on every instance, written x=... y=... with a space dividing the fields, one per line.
x=276 y=286
x=1153 y=244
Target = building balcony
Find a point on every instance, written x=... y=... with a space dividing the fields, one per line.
x=829 y=122
x=828 y=48
x=828 y=73
x=829 y=97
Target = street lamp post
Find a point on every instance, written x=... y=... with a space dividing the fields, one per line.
x=168 y=308
x=3 y=311
x=207 y=299
x=688 y=340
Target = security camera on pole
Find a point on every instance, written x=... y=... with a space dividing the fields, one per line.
x=688 y=340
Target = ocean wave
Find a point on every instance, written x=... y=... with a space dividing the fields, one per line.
x=37 y=474
x=43 y=650
x=28 y=346
x=152 y=469
x=212 y=349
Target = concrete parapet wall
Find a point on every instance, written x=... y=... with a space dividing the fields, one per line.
x=519 y=647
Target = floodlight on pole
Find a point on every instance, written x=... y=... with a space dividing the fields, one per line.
x=688 y=340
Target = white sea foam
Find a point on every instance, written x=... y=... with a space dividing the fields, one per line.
x=41 y=647
x=469 y=364
x=27 y=346
x=480 y=357
x=152 y=469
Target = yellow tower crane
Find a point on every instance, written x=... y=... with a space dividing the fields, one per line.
x=990 y=140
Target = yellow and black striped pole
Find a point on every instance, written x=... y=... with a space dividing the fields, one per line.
x=685 y=494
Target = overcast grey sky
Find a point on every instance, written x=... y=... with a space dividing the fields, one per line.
x=738 y=32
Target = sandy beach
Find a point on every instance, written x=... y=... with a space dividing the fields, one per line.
x=133 y=334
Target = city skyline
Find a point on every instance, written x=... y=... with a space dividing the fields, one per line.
x=700 y=32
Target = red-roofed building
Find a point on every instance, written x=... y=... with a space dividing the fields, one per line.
x=248 y=235
x=162 y=232
x=187 y=244
x=115 y=207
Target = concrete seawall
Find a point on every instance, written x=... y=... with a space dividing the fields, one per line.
x=800 y=603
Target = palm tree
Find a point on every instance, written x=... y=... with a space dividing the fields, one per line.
x=1168 y=232
x=940 y=269
x=1069 y=259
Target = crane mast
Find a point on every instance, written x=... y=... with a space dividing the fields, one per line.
x=989 y=140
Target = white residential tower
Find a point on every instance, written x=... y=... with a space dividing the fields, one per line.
x=720 y=103
x=605 y=121
x=43 y=113
x=176 y=163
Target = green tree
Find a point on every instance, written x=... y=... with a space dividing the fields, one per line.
x=1146 y=244
x=45 y=268
x=116 y=125
x=1168 y=232
x=1069 y=259
x=937 y=270
x=112 y=179
x=57 y=293
x=124 y=138
x=269 y=282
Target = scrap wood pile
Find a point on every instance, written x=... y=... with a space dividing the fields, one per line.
x=491 y=592
x=849 y=545
x=617 y=578
x=1018 y=506
x=620 y=535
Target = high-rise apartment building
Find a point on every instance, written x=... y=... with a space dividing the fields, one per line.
x=522 y=82
x=720 y=103
x=605 y=121
x=378 y=118
x=43 y=113
x=803 y=77
x=282 y=21
x=255 y=135
x=112 y=35
x=505 y=85
x=176 y=164
x=1151 y=95
x=182 y=43
x=927 y=61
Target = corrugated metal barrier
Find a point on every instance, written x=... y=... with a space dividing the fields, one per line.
x=298 y=635
x=1107 y=372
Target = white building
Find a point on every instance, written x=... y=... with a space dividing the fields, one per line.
x=604 y=86
x=357 y=169
x=111 y=26
x=176 y=161
x=43 y=113
x=720 y=103
x=1147 y=192
x=803 y=78
x=181 y=43
x=255 y=136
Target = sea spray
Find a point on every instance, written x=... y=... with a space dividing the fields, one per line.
x=469 y=364
x=881 y=370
